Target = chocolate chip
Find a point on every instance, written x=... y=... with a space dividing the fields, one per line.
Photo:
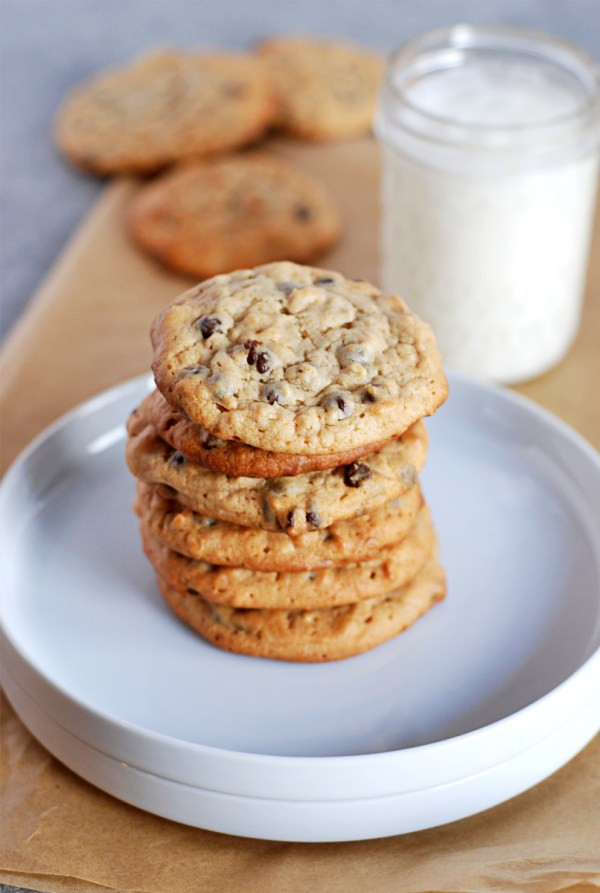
x=302 y=212
x=191 y=591
x=313 y=518
x=262 y=362
x=324 y=280
x=356 y=473
x=251 y=346
x=341 y=402
x=177 y=459
x=208 y=325
x=272 y=394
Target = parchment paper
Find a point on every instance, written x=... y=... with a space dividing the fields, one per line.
x=88 y=329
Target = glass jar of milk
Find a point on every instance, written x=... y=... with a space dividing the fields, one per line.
x=489 y=143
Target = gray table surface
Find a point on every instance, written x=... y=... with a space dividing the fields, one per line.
x=48 y=46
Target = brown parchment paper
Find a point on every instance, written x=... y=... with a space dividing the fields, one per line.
x=87 y=329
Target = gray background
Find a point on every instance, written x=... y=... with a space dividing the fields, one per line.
x=47 y=46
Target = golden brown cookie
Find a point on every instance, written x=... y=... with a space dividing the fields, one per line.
x=295 y=359
x=217 y=542
x=239 y=587
x=166 y=106
x=221 y=214
x=294 y=504
x=326 y=90
x=229 y=456
x=320 y=635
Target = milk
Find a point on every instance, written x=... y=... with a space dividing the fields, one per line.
x=489 y=176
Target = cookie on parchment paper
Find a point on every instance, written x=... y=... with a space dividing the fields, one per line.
x=165 y=107
x=320 y=635
x=327 y=90
x=295 y=359
x=215 y=216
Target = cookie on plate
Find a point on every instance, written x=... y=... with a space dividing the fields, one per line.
x=320 y=635
x=214 y=216
x=294 y=504
x=392 y=567
x=326 y=90
x=165 y=107
x=230 y=456
x=296 y=359
x=217 y=542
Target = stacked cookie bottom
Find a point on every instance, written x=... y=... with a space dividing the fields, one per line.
x=303 y=558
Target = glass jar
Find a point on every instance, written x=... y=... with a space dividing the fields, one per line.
x=489 y=143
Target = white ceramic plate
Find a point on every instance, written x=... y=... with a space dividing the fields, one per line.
x=490 y=692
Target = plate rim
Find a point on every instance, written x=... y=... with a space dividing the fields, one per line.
x=136 y=385
x=313 y=825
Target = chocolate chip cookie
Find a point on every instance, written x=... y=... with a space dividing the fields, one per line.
x=319 y=635
x=217 y=542
x=392 y=567
x=218 y=215
x=229 y=456
x=326 y=90
x=165 y=107
x=296 y=359
x=294 y=504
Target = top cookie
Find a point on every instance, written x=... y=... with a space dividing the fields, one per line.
x=296 y=359
x=326 y=90
x=165 y=107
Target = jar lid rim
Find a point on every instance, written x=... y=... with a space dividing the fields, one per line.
x=465 y=37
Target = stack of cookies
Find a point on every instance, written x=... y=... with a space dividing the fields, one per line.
x=278 y=462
